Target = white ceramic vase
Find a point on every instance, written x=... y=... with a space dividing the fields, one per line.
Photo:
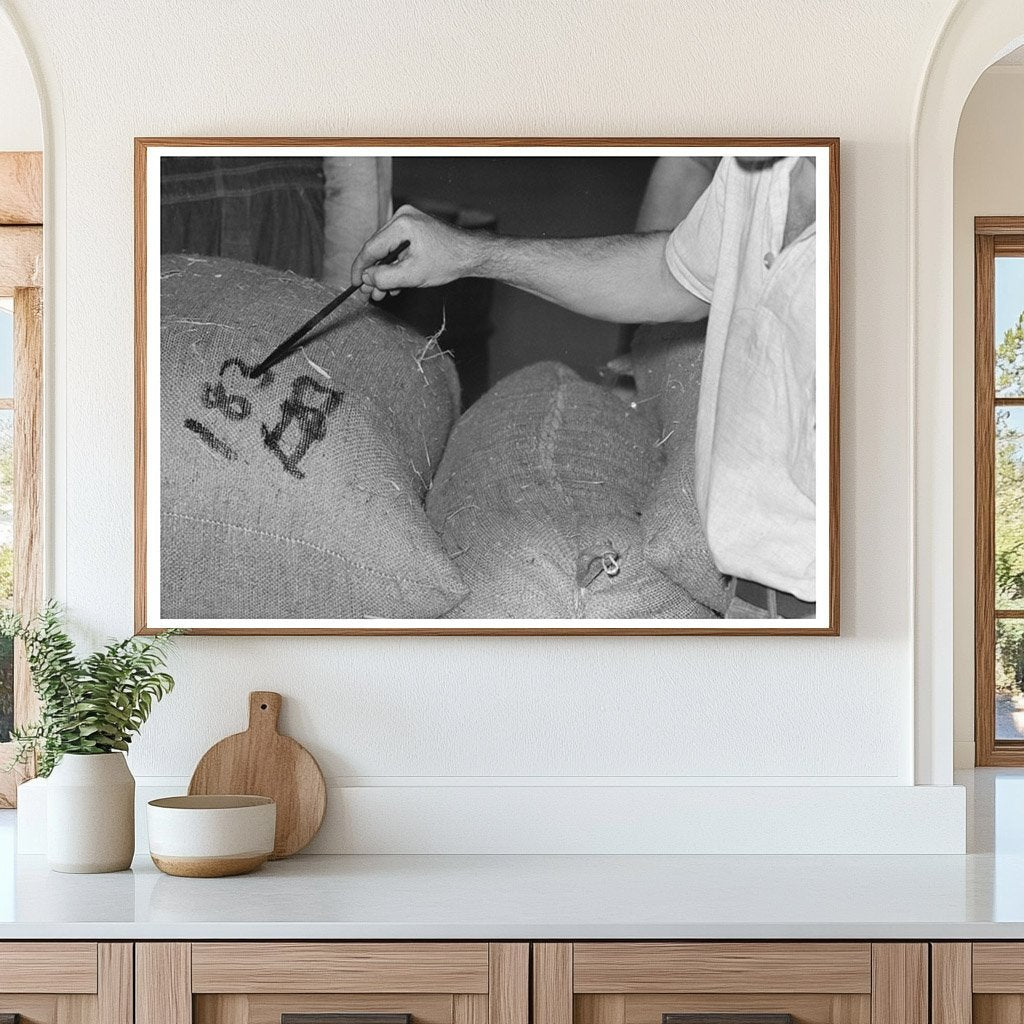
x=90 y=814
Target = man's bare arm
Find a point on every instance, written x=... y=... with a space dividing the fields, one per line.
x=622 y=278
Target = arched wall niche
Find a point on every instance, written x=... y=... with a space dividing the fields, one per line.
x=975 y=34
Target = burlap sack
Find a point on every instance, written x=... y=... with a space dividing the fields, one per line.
x=538 y=501
x=299 y=495
x=667 y=361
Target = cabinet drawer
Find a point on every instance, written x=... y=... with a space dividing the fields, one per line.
x=340 y=967
x=66 y=982
x=998 y=967
x=751 y=967
x=730 y=983
x=65 y=967
x=332 y=983
x=981 y=982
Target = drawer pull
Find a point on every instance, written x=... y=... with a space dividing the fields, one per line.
x=727 y=1018
x=339 y=1018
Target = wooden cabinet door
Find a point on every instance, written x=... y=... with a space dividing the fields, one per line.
x=978 y=983
x=730 y=983
x=66 y=982
x=332 y=983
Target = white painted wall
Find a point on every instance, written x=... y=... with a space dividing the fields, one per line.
x=21 y=126
x=988 y=181
x=462 y=712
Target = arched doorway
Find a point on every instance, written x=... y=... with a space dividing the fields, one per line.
x=976 y=34
x=21 y=251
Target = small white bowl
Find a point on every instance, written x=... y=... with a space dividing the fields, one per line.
x=211 y=836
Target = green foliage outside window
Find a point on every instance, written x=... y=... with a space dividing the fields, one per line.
x=1009 y=510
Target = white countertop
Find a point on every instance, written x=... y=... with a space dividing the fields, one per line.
x=496 y=897
x=980 y=895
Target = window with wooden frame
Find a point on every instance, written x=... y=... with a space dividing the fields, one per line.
x=21 y=363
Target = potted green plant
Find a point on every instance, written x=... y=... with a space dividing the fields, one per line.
x=89 y=710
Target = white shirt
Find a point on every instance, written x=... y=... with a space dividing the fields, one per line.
x=755 y=457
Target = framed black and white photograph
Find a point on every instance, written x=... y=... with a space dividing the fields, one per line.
x=498 y=386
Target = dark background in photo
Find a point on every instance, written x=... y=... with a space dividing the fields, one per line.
x=532 y=197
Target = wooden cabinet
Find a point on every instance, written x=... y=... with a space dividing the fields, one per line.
x=756 y=982
x=262 y=982
x=494 y=983
x=978 y=983
x=66 y=982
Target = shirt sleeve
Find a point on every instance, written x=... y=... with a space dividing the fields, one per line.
x=691 y=251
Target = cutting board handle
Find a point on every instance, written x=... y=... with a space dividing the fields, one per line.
x=264 y=710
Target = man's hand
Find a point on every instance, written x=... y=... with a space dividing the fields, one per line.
x=622 y=278
x=436 y=255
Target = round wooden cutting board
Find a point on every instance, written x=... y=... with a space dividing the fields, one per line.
x=262 y=762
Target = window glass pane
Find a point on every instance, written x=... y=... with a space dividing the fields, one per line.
x=1009 y=679
x=6 y=567
x=1009 y=326
x=6 y=351
x=1009 y=525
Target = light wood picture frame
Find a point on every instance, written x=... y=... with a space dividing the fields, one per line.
x=766 y=608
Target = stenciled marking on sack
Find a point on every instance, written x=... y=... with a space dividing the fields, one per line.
x=303 y=422
x=210 y=439
x=233 y=406
x=245 y=369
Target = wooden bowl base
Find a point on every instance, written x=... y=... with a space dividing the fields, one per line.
x=209 y=867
